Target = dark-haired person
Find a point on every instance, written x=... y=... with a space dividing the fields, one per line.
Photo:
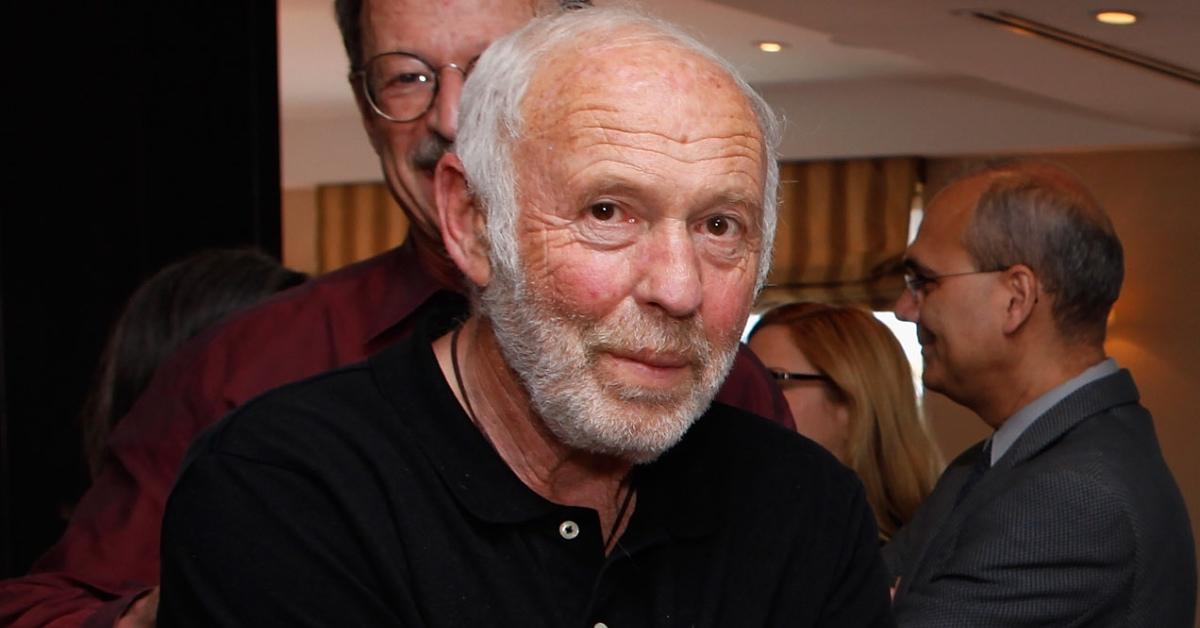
x=1067 y=515
x=172 y=306
x=107 y=559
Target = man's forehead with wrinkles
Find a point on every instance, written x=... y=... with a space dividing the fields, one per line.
x=664 y=103
x=642 y=88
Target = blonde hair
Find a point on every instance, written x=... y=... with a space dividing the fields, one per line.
x=888 y=445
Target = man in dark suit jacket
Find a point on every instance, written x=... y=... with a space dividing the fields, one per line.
x=1067 y=515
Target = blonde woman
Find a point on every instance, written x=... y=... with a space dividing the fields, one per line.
x=851 y=390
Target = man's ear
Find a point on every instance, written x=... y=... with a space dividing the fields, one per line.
x=462 y=221
x=1023 y=294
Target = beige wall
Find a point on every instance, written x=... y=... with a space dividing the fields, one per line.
x=1153 y=198
x=300 y=229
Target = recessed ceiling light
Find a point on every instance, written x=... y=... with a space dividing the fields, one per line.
x=769 y=46
x=1116 y=18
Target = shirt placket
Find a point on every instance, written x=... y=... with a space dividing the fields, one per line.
x=612 y=603
x=571 y=552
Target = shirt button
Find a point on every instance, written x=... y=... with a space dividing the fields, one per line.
x=568 y=530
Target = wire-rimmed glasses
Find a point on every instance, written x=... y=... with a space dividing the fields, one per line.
x=400 y=86
x=918 y=282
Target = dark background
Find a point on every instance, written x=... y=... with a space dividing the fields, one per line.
x=145 y=131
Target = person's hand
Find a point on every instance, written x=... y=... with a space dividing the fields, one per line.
x=143 y=613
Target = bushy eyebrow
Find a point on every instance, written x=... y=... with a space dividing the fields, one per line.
x=740 y=200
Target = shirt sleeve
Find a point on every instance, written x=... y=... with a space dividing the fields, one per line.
x=256 y=543
x=108 y=554
x=834 y=576
x=859 y=592
x=750 y=388
x=1054 y=551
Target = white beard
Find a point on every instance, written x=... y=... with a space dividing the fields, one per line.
x=555 y=354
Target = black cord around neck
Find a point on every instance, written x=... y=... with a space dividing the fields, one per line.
x=462 y=390
x=611 y=542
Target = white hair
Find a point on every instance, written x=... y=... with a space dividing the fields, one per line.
x=490 y=119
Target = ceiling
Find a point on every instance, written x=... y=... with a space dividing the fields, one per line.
x=939 y=36
x=856 y=78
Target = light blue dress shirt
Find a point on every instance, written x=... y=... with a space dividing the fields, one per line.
x=1016 y=425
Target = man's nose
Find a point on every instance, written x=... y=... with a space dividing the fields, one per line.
x=671 y=275
x=906 y=307
x=443 y=116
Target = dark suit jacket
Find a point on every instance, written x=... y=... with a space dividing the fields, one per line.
x=1080 y=523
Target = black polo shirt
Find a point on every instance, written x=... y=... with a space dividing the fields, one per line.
x=366 y=497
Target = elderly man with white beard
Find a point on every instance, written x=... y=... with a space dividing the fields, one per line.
x=556 y=459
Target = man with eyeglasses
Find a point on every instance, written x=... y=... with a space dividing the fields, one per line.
x=1067 y=514
x=409 y=59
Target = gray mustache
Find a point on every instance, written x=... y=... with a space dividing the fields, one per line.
x=429 y=151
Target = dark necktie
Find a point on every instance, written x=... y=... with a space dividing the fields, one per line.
x=982 y=464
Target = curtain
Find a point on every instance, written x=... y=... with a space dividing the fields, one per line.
x=356 y=221
x=843 y=228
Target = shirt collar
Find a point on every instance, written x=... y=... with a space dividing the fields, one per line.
x=408 y=286
x=1016 y=425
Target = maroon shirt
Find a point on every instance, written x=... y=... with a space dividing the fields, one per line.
x=108 y=555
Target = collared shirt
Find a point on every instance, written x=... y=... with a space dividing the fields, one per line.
x=367 y=497
x=1016 y=425
x=109 y=553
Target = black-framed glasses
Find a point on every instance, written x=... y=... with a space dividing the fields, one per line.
x=400 y=86
x=918 y=283
x=785 y=376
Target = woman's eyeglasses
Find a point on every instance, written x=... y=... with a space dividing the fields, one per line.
x=785 y=376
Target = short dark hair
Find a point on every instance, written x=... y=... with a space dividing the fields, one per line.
x=348 y=14
x=349 y=21
x=172 y=306
x=1039 y=214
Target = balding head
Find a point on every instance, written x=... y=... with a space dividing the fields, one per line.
x=495 y=103
x=1040 y=215
x=611 y=200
